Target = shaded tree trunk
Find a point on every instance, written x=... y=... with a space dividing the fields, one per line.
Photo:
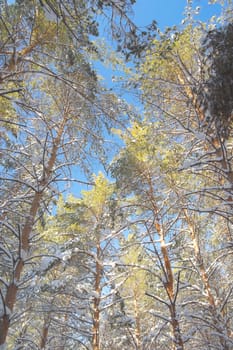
x=45 y=331
x=137 y=323
x=216 y=315
x=12 y=289
x=96 y=311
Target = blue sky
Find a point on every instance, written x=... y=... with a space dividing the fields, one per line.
x=165 y=12
x=169 y=12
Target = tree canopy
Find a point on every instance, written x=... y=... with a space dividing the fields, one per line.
x=116 y=225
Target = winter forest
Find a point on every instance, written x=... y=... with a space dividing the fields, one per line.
x=116 y=205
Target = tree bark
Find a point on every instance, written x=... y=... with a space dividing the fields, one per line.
x=166 y=265
x=204 y=276
x=44 y=335
x=12 y=289
x=178 y=343
x=96 y=312
x=138 y=323
x=199 y=260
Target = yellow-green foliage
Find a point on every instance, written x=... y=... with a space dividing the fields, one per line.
x=135 y=285
x=44 y=30
x=65 y=224
x=138 y=143
x=150 y=153
x=9 y=117
x=74 y=216
x=137 y=277
x=96 y=198
x=172 y=57
x=170 y=71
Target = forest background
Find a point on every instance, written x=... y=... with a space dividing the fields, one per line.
x=116 y=192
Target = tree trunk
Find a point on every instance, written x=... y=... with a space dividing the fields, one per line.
x=204 y=276
x=169 y=286
x=96 y=313
x=178 y=343
x=45 y=331
x=138 y=323
x=199 y=260
x=11 y=292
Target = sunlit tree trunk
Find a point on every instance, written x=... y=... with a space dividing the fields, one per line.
x=178 y=343
x=168 y=283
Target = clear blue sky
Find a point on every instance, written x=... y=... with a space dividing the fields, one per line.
x=169 y=12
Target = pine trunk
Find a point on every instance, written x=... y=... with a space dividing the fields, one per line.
x=178 y=343
x=12 y=289
x=96 y=312
x=138 y=323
